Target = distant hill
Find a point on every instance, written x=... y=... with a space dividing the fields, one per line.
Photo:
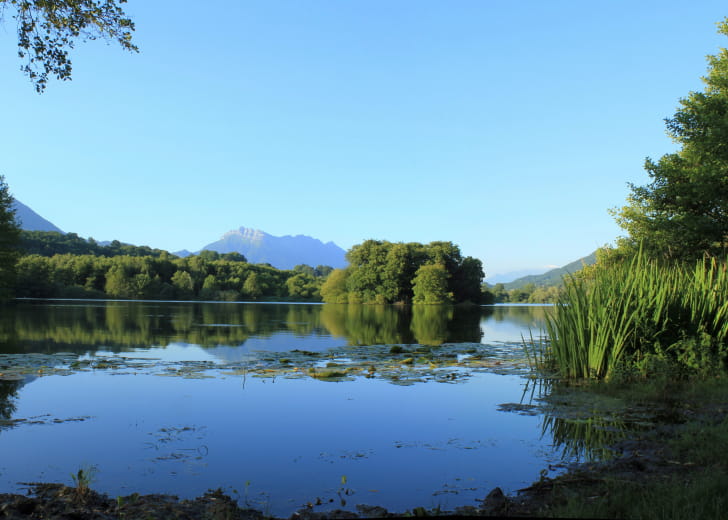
x=284 y=252
x=512 y=275
x=552 y=277
x=30 y=220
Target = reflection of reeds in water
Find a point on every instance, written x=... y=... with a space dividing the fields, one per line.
x=536 y=388
x=584 y=439
x=538 y=353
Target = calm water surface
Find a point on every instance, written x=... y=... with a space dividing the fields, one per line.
x=183 y=397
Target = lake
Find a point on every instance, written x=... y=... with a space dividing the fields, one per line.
x=280 y=405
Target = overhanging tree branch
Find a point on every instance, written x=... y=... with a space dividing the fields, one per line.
x=48 y=29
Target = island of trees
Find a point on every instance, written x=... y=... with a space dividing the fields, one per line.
x=385 y=272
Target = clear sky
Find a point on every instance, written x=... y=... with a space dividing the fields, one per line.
x=509 y=128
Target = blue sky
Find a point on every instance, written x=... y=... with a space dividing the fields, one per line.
x=508 y=128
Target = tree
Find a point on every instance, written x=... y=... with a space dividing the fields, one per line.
x=234 y=256
x=334 y=288
x=47 y=30
x=253 y=286
x=303 y=286
x=322 y=271
x=119 y=283
x=683 y=212
x=183 y=284
x=9 y=241
x=467 y=279
x=209 y=256
x=430 y=285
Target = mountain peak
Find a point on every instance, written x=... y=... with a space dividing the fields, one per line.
x=30 y=221
x=281 y=252
x=254 y=235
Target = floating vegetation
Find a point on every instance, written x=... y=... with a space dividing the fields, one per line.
x=40 y=419
x=519 y=408
x=179 y=444
x=448 y=363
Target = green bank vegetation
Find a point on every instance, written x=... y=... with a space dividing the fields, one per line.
x=206 y=276
x=637 y=314
x=528 y=293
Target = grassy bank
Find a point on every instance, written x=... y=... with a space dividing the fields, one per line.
x=673 y=470
x=636 y=314
x=648 y=336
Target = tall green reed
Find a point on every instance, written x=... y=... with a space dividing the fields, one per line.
x=635 y=307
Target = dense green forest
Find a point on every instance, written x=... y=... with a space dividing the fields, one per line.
x=163 y=277
x=385 y=272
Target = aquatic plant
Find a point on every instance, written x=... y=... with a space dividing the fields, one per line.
x=82 y=480
x=639 y=307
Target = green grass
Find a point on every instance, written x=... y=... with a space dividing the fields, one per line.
x=699 y=496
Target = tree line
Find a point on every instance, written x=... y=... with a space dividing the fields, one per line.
x=206 y=276
x=529 y=293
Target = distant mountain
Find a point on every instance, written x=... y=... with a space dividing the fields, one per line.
x=30 y=220
x=512 y=275
x=284 y=252
x=553 y=277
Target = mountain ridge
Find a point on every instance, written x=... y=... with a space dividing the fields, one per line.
x=30 y=220
x=554 y=276
x=282 y=252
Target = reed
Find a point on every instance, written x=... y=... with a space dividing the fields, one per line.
x=639 y=307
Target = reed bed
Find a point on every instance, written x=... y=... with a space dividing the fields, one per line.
x=639 y=307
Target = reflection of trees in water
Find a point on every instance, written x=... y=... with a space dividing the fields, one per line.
x=465 y=324
x=430 y=323
x=368 y=324
x=8 y=393
x=117 y=326
x=386 y=324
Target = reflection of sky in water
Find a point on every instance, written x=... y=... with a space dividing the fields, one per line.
x=509 y=323
x=506 y=331
x=285 y=341
x=399 y=446
x=292 y=439
x=278 y=342
x=172 y=352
